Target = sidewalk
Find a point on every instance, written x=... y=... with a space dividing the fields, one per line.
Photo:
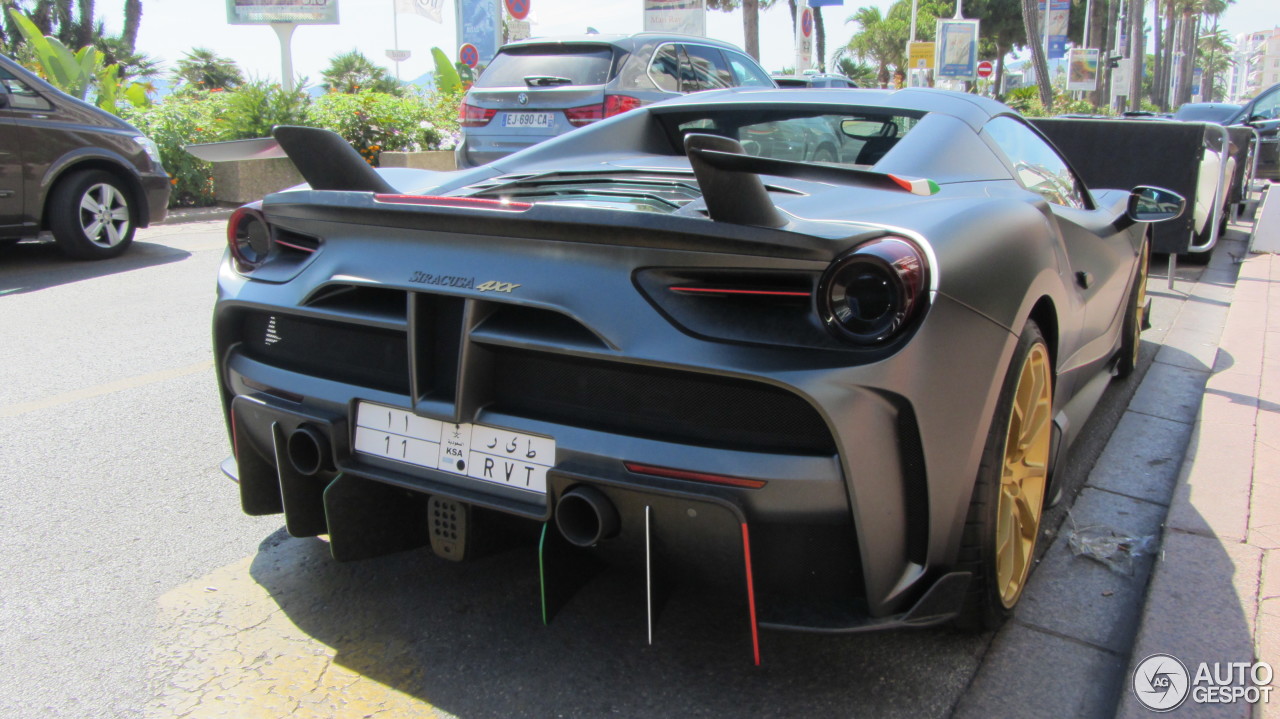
x=1215 y=591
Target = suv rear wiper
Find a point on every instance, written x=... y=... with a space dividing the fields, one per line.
x=542 y=80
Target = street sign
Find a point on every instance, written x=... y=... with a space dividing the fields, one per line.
x=398 y=55
x=519 y=30
x=468 y=55
x=806 y=22
x=518 y=9
x=804 y=39
x=920 y=55
x=985 y=68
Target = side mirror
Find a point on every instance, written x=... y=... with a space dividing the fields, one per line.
x=1154 y=204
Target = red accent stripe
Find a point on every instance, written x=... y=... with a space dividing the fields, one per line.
x=751 y=594
x=901 y=182
x=292 y=246
x=235 y=441
x=694 y=476
x=475 y=202
x=723 y=291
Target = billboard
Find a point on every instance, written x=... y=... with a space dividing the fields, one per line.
x=920 y=55
x=688 y=17
x=957 y=49
x=480 y=24
x=302 y=12
x=1083 y=72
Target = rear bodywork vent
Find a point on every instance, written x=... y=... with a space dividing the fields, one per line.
x=357 y=354
x=645 y=192
x=361 y=302
x=656 y=403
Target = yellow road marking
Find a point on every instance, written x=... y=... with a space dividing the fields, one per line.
x=13 y=410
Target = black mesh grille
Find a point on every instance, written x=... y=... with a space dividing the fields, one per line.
x=341 y=351
x=689 y=408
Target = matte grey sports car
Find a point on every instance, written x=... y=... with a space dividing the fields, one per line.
x=844 y=387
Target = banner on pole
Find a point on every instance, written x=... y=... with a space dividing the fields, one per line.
x=687 y=17
x=1056 y=26
x=430 y=9
x=957 y=49
x=1083 y=72
x=480 y=25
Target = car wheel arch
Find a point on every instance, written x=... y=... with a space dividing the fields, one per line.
x=137 y=195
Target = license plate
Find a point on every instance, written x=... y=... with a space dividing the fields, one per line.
x=528 y=119
x=488 y=454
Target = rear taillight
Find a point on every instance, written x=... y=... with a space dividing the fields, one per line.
x=471 y=116
x=249 y=237
x=612 y=105
x=870 y=294
x=618 y=104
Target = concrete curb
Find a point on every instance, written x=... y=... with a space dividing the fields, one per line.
x=1215 y=591
x=180 y=216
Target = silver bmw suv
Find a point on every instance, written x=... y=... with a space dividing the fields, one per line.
x=539 y=88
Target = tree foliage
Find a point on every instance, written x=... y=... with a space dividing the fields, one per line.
x=351 y=72
x=204 y=69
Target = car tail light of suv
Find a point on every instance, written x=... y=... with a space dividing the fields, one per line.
x=471 y=116
x=612 y=105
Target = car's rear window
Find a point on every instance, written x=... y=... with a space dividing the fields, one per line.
x=549 y=65
x=857 y=137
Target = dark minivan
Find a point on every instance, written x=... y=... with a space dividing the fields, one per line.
x=65 y=166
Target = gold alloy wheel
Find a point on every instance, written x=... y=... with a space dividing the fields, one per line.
x=1141 y=298
x=1023 y=475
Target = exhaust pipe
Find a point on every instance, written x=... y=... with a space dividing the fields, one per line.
x=308 y=450
x=585 y=516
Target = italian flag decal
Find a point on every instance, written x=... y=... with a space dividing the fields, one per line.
x=916 y=187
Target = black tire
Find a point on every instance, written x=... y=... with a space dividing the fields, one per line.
x=824 y=154
x=988 y=602
x=1131 y=332
x=92 y=215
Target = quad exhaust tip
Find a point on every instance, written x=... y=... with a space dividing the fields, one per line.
x=585 y=516
x=308 y=450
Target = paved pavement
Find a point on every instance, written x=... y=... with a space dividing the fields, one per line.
x=1215 y=593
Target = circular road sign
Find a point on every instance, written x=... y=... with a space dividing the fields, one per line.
x=806 y=22
x=518 y=9
x=985 y=68
x=468 y=55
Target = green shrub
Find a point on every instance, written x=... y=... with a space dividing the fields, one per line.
x=374 y=121
x=177 y=121
x=256 y=107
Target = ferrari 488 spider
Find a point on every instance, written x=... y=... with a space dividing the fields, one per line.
x=665 y=341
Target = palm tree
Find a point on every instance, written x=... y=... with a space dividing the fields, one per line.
x=882 y=40
x=1031 y=24
x=132 y=21
x=859 y=72
x=1214 y=52
x=204 y=69
x=351 y=72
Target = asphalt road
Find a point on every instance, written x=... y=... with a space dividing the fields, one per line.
x=132 y=585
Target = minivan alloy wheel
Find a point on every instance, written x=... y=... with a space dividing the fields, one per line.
x=104 y=215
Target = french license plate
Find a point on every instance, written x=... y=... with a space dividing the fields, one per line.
x=488 y=454
x=528 y=119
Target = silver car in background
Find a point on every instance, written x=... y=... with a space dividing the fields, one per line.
x=540 y=88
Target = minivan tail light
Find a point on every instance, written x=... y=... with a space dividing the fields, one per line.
x=471 y=116
x=612 y=105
